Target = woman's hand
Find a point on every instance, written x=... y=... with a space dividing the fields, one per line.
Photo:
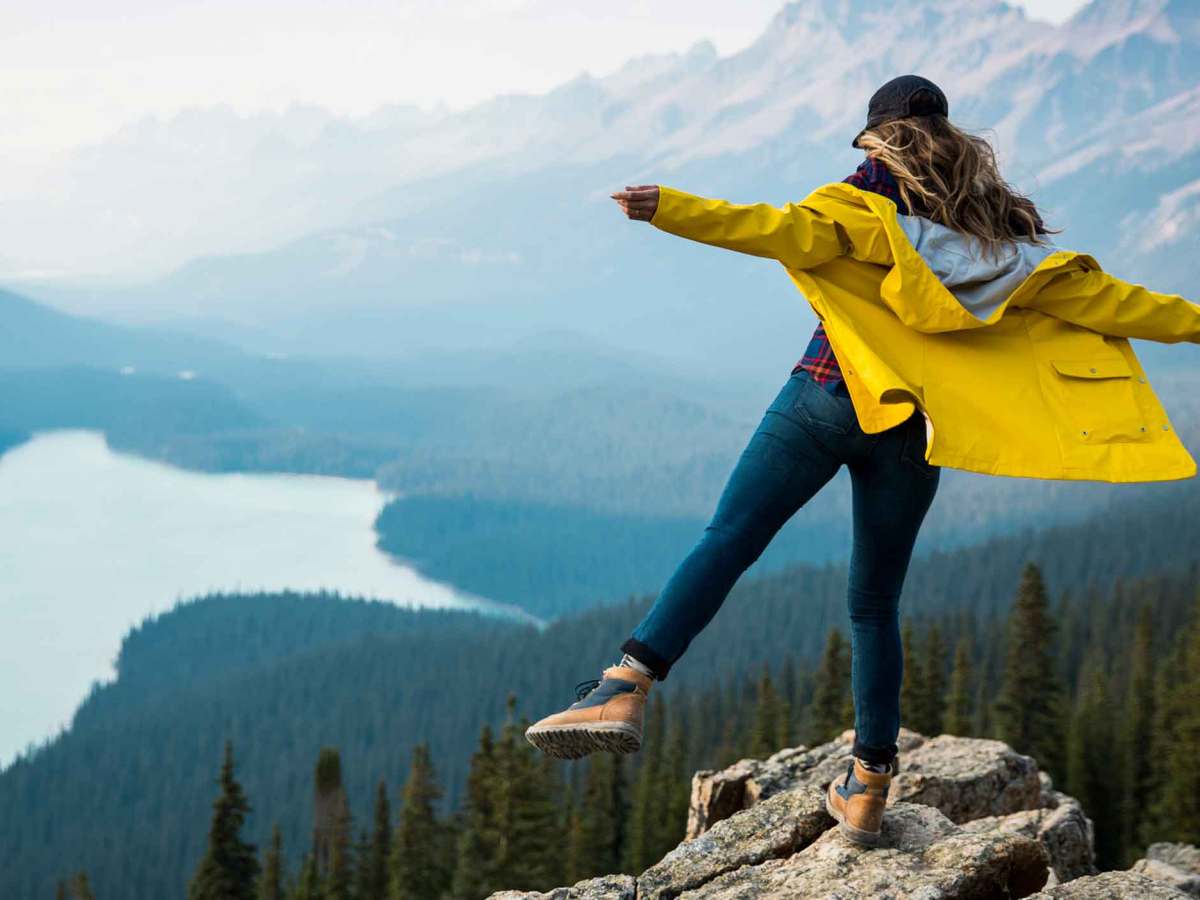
x=638 y=201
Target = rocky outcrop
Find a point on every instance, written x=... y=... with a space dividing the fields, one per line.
x=965 y=778
x=968 y=778
x=778 y=827
x=1175 y=864
x=609 y=887
x=924 y=855
x=968 y=819
x=1061 y=827
x=1112 y=886
x=718 y=795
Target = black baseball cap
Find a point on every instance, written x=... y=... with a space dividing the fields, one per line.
x=906 y=95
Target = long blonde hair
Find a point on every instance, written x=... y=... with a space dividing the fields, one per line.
x=951 y=177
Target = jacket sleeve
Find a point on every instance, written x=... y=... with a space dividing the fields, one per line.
x=1104 y=303
x=796 y=235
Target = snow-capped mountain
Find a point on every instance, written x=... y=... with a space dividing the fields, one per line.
x=463 y=228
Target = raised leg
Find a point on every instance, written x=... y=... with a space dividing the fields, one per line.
x=781 y=468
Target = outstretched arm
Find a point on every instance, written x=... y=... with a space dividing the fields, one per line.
x=1104 y=303
x=794 y=234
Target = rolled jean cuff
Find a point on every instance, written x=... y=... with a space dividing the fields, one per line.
x=878 y=755
x=647 y=657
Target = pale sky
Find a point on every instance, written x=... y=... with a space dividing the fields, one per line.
x=73 y=71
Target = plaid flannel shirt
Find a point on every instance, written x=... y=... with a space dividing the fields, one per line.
x=818 y=357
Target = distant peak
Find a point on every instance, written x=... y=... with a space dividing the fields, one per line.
x=1112 y=13
x=702 y=51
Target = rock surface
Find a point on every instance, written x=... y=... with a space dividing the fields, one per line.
x=777 y=827
x=924 y=855
x=1112 y=886
x=968 y=819
x=1175 y=864
x=1061 y=827
x=965 y=778
x=608 y=887
x=968 y=778
x=718 y=795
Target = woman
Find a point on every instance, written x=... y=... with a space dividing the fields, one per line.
x=952 y=334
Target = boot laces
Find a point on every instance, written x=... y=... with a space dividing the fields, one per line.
x=586 y=687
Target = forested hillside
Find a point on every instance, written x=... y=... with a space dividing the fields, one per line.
x=1113 y=722
x=555 y=474
x=284 y=676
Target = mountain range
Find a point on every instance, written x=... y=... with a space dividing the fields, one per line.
x=411 y=230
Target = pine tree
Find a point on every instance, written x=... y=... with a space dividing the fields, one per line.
x=644 y=802
x=375 y=863
x=528 y=809
x=476 y=852
x=789 y=690
x=933 y=690
x=959 y=713
x=331 y=813
x=1029 y=709
x=339 y=880
x=1090 y=764
x=417 y=864
x=270 y=886
x=602 y=815
x=308 y=884
x=727 y=713
x=768 y=719
x=575 y=860
x=1179 y=806
x=673 y=792
x=1137 y=721
x=827 y=716
x=364 y=888
x=912 y=688
x=79 y=888
x=229 y=867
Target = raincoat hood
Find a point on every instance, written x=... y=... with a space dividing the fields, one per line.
x=962 y=285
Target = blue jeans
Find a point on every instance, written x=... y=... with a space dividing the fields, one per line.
x=806 y=435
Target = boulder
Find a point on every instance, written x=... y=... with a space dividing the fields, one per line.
x=968 y=778
x=777 y=827
x=717 y=795
x=1184 y=857
x=965 y=778
x=1175 y=864
x=1112 y=886
x=968 y=819
x=1060 y=826
x=607 y=887
x=923 y=854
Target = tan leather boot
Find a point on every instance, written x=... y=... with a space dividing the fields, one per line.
x=607 y=716
x=858 y=800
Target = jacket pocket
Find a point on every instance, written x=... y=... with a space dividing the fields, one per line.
x=1095 y=397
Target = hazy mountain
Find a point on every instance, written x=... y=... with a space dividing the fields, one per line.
x=483 y=226
x=32 y=334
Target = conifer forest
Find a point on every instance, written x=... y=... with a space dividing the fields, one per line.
x=1101 y=689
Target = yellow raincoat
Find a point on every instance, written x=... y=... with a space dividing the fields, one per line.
x=1021 y=364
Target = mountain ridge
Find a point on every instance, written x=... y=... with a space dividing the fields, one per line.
x=446 y=245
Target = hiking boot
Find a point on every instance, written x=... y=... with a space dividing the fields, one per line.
x=606 y=716
x=857 y=801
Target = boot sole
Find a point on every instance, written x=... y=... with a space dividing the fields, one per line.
x=575 y=741
x=857 y=835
